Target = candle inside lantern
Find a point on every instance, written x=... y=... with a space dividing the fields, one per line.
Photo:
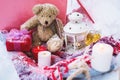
x=102 y=57
x=44 y=58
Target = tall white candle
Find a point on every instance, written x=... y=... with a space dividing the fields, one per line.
x=44 y=58
x=101 y=57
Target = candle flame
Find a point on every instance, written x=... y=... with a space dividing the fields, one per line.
x=102 y=48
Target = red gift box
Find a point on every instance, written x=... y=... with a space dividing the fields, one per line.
x=18 y=40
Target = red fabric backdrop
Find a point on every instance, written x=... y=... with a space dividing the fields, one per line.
x=15 y=12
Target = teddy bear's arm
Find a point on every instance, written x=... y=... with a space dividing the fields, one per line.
x=31 y=23
x=59 y=28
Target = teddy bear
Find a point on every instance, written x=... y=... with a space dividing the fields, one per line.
x=49 y=28
x=77 y=27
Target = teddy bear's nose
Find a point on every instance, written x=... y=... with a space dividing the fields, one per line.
x=46 y=22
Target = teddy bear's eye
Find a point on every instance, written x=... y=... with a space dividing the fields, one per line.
x=69 y=28
x=41 y=15
x=50 y=16
x=77 y=14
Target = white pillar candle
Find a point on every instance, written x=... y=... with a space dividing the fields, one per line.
x=101 y=57
x=44 y=58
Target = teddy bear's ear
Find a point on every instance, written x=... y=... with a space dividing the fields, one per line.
x=55 y=10
x=37 y=8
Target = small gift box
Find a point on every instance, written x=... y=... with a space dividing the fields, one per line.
x=18 y=40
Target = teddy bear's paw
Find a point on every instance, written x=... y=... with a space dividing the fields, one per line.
x=54 y=43
x=23 y=27
x=54 y=46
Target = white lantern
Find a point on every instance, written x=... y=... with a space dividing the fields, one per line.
x=75 y=27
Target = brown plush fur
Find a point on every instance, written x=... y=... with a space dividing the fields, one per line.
x=46 y=22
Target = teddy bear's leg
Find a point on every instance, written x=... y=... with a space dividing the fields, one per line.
x=55 y=43
x=35 y=39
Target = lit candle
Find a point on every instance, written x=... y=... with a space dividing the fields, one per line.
x=101 y=57
x=44 y=58
x=37 y=49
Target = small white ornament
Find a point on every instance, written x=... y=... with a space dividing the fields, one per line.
x=75 y=24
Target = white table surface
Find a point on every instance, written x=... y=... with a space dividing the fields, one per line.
x=7 y=69
x=114 y=75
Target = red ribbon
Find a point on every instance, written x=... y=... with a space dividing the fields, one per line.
x=55 y=71
x=117 y=48
x=85 y=11
x=58 y=68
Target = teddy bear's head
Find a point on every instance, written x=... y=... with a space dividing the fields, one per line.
x=75 y=17
x=46 y=13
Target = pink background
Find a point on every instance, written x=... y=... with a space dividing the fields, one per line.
x=15 y=12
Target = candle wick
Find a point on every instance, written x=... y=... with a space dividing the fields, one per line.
x=44 y=53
